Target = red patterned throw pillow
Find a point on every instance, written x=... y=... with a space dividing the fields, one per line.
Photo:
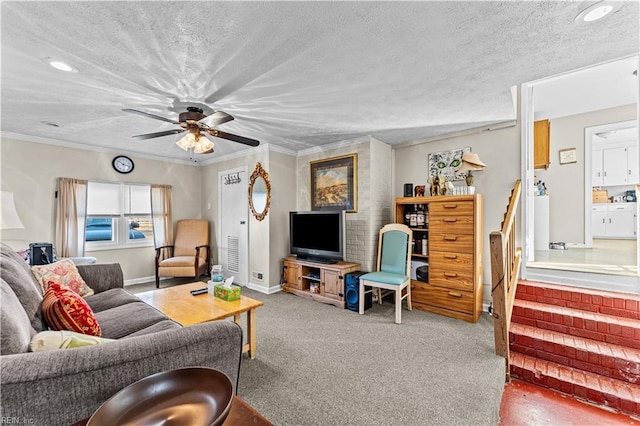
x=64 y=309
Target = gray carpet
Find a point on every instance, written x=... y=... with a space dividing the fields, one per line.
x=320 y=365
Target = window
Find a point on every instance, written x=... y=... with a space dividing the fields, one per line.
x=118 y=216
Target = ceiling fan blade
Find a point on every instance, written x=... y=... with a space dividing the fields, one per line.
x=215 y=119
x=146 y=114
x=158 y=134
x=235 y=138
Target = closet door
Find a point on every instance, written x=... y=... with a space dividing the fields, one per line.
x=233 y=240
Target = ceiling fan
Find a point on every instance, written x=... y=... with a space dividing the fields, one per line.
x=196 y=123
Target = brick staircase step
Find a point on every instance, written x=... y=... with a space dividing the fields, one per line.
x=605 y=302
x=590 y=325
x=606 y=359
x=591 y=387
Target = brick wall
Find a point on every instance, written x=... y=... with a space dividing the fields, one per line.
x=374 y=195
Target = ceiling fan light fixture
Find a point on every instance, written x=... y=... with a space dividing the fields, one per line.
x=187 y=142
x=203 y=146
x=60 y=65
x=597 y=10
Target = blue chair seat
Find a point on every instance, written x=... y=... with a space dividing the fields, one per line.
x=385 y=278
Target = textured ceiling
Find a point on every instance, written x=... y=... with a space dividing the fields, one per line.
x=293 y=74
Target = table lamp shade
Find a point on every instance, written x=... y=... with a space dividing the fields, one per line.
x=9 y=218
x=471 y=161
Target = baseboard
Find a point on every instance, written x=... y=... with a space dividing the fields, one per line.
x=142 y=280
x=263 y=289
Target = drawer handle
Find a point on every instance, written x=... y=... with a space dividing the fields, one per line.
x=450 y=219
x=450 y=274
x=448 y=238
x=450 y=206
x=450 y=256
x=455 y=294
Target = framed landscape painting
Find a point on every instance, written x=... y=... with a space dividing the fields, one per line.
x=334 y=183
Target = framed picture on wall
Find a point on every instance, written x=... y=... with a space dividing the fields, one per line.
x=334 y=183
x=568 y=156
x=446 y=164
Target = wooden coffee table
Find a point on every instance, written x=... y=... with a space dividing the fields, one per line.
x=178 y=304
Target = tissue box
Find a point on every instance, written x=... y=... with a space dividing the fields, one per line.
x=228 y=294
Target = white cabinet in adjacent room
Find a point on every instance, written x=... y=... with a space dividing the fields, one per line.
x=632 y=162
x=614 y=220
x=598 y=221
x=596 y=168
x=614 y=164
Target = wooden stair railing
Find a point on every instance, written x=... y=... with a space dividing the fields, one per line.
x=505 y=268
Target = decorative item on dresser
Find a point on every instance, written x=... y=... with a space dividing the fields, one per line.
x=453 y=234
x=471 y=161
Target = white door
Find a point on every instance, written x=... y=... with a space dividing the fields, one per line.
x=599 y=221
x=233 y=207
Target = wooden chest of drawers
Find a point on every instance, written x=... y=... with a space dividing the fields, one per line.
x=454 y=285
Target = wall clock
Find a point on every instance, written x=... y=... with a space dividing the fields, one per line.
x=122 y=164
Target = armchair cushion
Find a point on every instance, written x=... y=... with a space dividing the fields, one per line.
x=190 y=233
x=180 y=261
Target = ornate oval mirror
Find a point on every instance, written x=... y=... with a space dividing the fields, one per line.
x=259 y=192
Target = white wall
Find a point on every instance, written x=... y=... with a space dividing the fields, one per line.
x=269 y=238
x=565 y=183
x=30 y=171
x=498 y=149
x=282 y=173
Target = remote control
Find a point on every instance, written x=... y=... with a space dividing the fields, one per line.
x=198 y=291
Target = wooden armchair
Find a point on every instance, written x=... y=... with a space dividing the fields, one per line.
x=189 y=254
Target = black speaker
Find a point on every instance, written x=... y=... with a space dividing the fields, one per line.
x=40 y=253
x=408 y=190
x=352 y=292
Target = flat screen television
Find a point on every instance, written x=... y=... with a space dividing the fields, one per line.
x=318 y=236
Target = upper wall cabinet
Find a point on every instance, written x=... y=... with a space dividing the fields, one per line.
x=541 y=144
x=615 y=164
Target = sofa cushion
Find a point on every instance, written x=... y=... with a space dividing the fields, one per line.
x=64 y=309
x=63 y=272
x=50 y=340
x=159 y=326
x=17 y=274
x=110 y=299
x=127 y=319
x=14 y=323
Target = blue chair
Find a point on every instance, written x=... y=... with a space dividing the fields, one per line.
x=393 y=270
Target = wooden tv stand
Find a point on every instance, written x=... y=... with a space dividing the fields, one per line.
x=317 y=281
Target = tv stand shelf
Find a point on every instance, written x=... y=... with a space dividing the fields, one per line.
x=322 y=282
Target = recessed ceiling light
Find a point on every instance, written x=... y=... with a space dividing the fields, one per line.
x=597 y=10
x=50 y=123
x=60 y=65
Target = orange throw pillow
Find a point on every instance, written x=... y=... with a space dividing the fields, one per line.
x=64 y=309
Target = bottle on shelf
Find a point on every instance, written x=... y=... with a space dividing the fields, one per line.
x=414 y=217
x=407 y=217
x=420 y=216
x=424 y=245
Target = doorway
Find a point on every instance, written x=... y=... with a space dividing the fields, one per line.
x=570 y=185
x=233 y=244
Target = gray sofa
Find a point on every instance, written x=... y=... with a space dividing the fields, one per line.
x=64 y=386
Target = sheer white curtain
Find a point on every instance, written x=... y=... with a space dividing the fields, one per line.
x=162 y=217
x=71 y=216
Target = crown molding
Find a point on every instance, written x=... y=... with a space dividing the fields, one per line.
x=66 y=144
